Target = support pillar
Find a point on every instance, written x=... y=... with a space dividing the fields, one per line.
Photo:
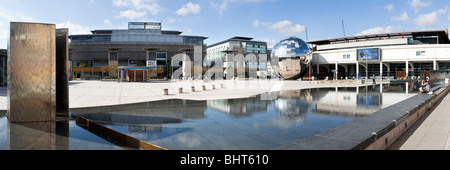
x=434 y=65
x=357 y=70
x=336 y=67
x=381 y=70
x=407 y=69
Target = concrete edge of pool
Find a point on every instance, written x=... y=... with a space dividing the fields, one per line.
x=114 y=135
x=376 y=131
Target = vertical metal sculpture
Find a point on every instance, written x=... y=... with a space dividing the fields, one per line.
x=32 y=84
x=62 y=76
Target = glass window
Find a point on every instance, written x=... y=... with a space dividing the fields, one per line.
x=161 y=56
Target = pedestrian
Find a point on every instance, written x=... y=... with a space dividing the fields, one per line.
x=427 y=87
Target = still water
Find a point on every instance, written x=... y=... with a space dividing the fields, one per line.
x=261 y=122
x=59 y=135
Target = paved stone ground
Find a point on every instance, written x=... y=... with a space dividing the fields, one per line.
x=430 y=132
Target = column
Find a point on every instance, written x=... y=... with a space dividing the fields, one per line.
x=381 y=70
x=357 y=70
x=407 y=69
x=336 y=67
x=388 y=70
x=434 y=65
x=346 y=71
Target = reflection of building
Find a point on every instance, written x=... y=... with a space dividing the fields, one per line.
x=98 y=54
x=385 y=56
x=3 y=64
x=239 y=107
x=145 y=117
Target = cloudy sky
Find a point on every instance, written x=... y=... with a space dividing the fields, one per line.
x=264 y=20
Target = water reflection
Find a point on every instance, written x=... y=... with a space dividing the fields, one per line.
x=260 y=122
x=54 y=135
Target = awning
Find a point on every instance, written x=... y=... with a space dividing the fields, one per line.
x=136 y=68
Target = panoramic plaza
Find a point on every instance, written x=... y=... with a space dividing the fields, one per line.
x=239 y=76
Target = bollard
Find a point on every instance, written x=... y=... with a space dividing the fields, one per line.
x=180 y=90
x=166 y=91
x=204 y=88
x=192 y=88
x=213 y=87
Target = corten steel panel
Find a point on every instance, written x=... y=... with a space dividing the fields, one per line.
x=62 y=70
x=31 y=84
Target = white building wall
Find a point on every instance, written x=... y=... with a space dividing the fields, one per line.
x=429 y=53
x=364 y=44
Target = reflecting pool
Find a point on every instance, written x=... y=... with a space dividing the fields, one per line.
x=59 y=135
x=261 y=122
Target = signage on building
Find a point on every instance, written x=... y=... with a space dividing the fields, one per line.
x=368 y=54
x=151 y=63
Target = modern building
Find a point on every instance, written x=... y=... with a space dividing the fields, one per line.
x=3 y=68
x=143 y=44
x=397 y=55
x=237 y=45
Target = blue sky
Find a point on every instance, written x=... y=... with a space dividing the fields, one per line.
x=264 y=20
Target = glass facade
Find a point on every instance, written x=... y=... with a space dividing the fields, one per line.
x=256 y=49
x=193 y=40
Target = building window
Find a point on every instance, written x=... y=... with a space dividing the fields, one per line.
x=161 y=58
x=113 y=55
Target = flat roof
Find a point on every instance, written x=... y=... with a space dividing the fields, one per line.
x=443 y=36
x=237 y=38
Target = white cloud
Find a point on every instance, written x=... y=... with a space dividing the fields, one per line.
x=256 y=23
x=378 y=30
x=417 y=4
x=107 y=22
x=74 y=28
x=427 y=20
x=270 y=42
x=139 y=5
x=389 y=7
x=401 y=17
x=131 y=14
x=285 y=27
x=189 y=8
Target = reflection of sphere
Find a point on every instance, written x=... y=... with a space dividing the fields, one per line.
x=288 y=52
